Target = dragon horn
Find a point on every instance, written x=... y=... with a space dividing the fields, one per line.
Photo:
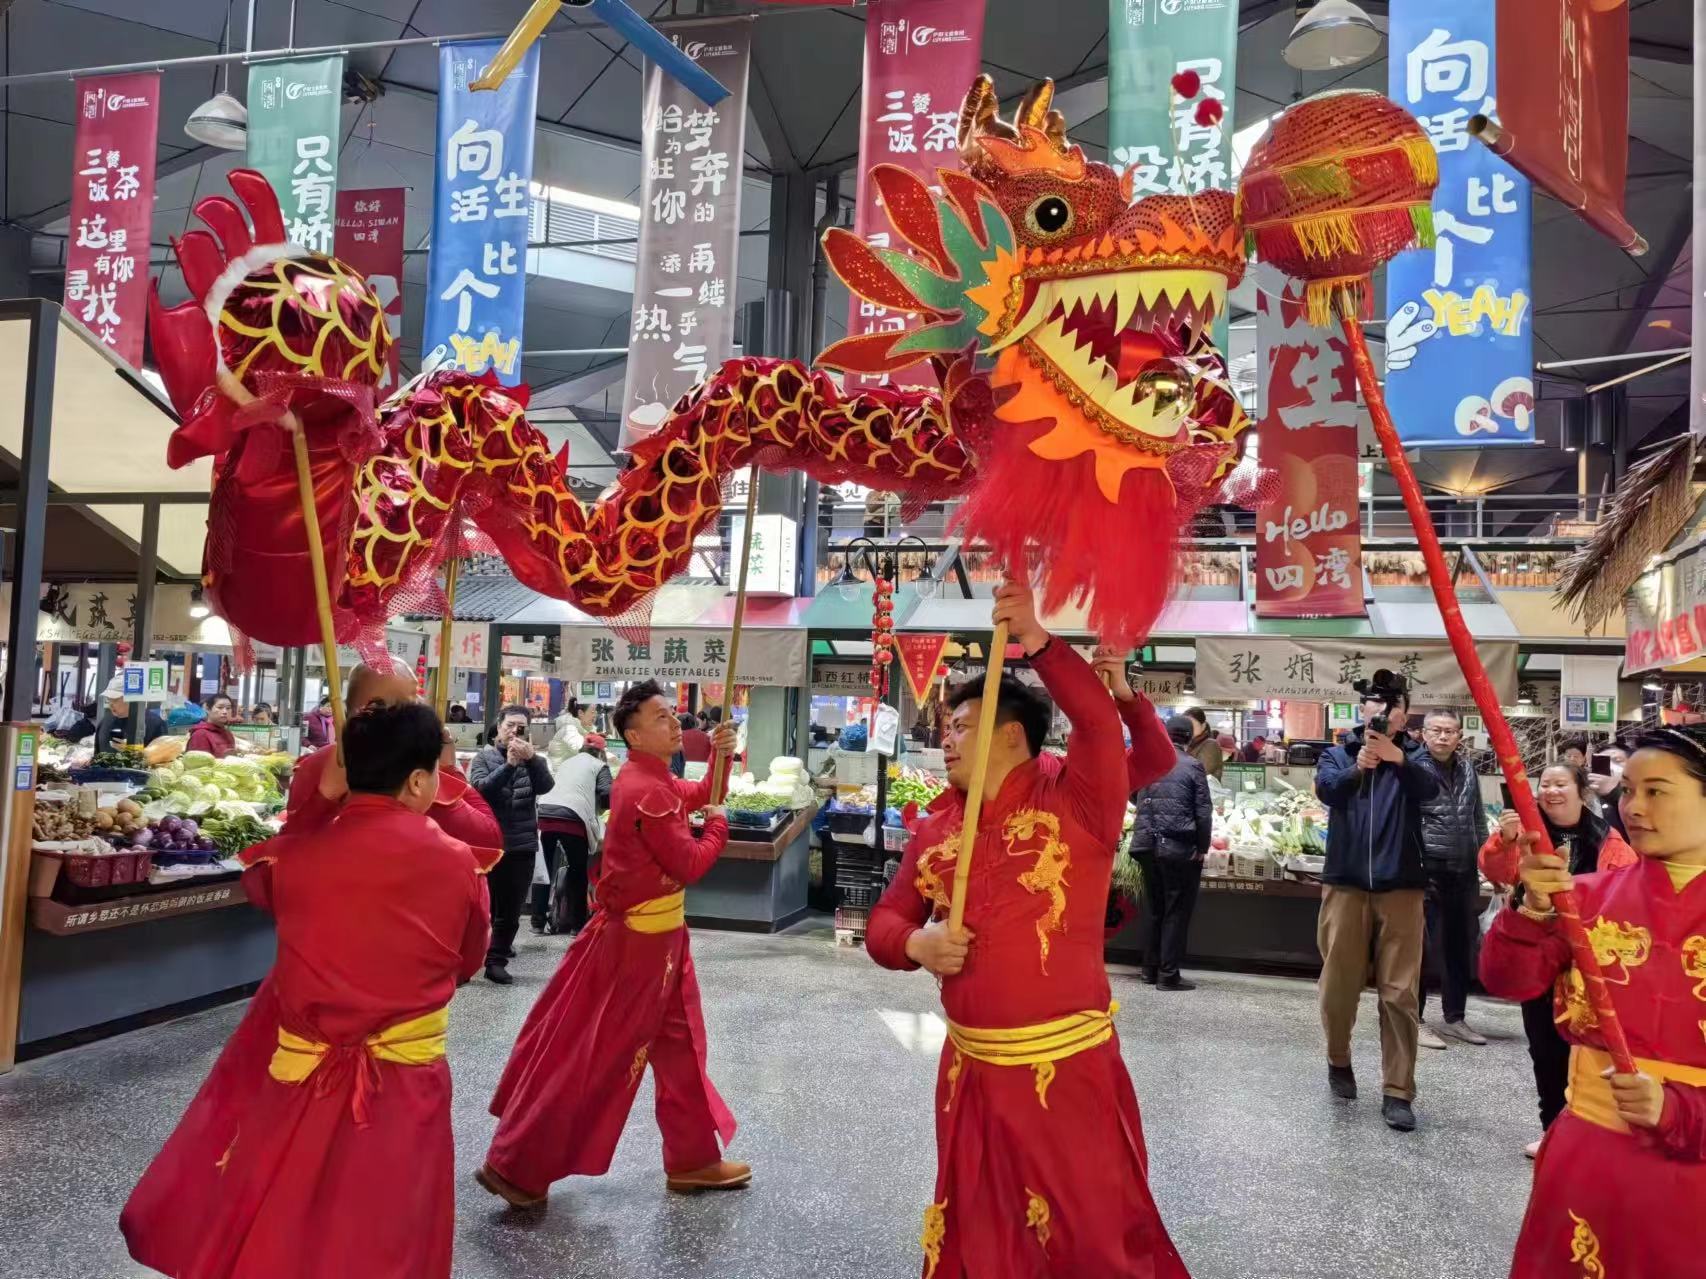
x=256 y=192
x=1054 y=128
x=1034 y=106
x=225 y=219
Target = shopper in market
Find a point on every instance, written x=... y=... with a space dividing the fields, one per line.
x=1621 y=1175
x=626 y=994
x=339 y=1159
x=1588 y=843
x=1454 y=826
x=511 y=776
x=570 y=830
x=1372 y=885
x=1036 y=1120
x=1607 y=783
x=695 y=741
x=1203 y=744
x=1170 y=837
x=317 y=724
x=214 y=734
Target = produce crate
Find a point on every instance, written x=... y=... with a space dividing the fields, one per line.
x=848 y=822
x=107 y=870
x=129 y=776
x=765 y=821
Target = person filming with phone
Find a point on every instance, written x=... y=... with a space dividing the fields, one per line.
x=1372 y=890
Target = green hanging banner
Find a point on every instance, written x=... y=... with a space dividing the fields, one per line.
x=1152 y=132
x=294 y=110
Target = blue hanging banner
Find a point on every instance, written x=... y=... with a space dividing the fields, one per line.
x=1459 y=328
x=477 y=272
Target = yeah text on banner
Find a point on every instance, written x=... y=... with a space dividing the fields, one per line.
x=294 y=113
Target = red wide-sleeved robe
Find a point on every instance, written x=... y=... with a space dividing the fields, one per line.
x=349 y=1171
x=1041 y=1167
x=625 y=996
x=1609 y=1202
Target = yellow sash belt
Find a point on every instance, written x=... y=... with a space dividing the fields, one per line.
x=1591 y=1097
x=1048 y=1041
x=659 y=915
x=417 y=1042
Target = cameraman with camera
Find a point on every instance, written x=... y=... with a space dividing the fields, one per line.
x=1372 y=890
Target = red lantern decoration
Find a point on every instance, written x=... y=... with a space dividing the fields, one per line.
x=882 y=657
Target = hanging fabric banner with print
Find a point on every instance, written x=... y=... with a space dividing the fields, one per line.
x=370 y=240
x=1459 y=329
x=920 y=657
x=294 y=112
x=1308 y=537
x=687 y=273
x=112 y=208
x=481 y=206
x=920 y=58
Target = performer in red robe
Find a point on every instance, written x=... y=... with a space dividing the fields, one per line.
x=342 y=1161
x=1041 y=1167
x=625 y=995
x=1620 y=1180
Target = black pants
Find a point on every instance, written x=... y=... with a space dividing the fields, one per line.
x=1551 y=1054
x=1170 y=892
x=1452 y=922
x=558 y=847
x=508 y=884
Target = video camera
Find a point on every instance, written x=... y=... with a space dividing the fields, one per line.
x=1388 y=687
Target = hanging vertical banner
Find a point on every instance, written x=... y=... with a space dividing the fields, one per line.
x=1152 y=134
x=1459 y=329
x=1308 y=538
x=112 y=208
x=294 y=113
x=482 y=198
x=686 y=271
x=920 y=58
x=370 y=240
x=920 y=655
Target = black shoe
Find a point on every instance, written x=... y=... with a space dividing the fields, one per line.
x=1150 y=979
x=1398 y=1114
x=498 y=974
x=1178 y=983
x=538 y=927
x=1343 y=1081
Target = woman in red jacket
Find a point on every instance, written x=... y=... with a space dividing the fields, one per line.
x=1622 y=1174
x=213 y=734
x=1591 y=844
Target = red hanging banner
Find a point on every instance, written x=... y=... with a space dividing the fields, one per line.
x=920 y=58
x=920 y=655
x=112 y=208
x=1563 y=108
x=1308 y=540
x=370 y=240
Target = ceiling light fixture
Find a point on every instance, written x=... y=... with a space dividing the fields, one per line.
x=221 y=121
x=198 y=603
x=1332 y=35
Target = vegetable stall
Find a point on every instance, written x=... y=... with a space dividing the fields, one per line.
x=759 y=883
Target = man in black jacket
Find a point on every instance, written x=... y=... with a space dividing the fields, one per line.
x=1169 y=838
x=511 y=778
x=1371 y=899
x=1454 y=826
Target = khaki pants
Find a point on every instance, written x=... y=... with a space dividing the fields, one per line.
x=1353 y=924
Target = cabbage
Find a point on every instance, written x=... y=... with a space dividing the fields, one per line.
x=196 y=760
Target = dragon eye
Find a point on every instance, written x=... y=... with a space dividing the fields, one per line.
x=1049 y=216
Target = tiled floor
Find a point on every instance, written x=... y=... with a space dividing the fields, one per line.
x=828 y=1062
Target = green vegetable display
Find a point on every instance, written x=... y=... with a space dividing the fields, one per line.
x=753 y=802
x=195 y=783
x=234 y=834
x=910 y=786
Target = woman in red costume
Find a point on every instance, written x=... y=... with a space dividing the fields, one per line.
x=380 y=916
x=1621 y=1176
x=1041 y=1167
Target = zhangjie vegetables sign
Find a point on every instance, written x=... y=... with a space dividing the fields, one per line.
x=771 y=658
x=1307 y=669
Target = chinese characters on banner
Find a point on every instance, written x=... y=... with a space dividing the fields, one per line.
x=370 y=240
x=686 y=277
x=481 y=207
x=771 y=657
x=1459 y=330
x=1306 y=668
x=1308 y=539
x=920 y=58
x=920 y=655
x=294 y=110
x=1667 y=614
x=112 y=208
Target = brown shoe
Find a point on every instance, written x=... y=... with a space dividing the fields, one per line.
x=721 y=1175
x=505 y=1189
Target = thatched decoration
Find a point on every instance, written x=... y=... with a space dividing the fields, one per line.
x=1656 y=501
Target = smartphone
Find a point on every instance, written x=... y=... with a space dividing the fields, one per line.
x=1505 y=792
x=1600 y=766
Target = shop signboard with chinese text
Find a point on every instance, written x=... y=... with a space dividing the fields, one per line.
x=920 y=58
x=1459 y=330
x=1152 y=134
x=1309 y=536
x=481 y=206
x=370 y=240
x=775 y=555
x=112 y=208
x=294 y=132
x=1307 y=668
x=467 y=646
x=685 y=275
x=841 y=679
x=769 y=657
x=1666 y=611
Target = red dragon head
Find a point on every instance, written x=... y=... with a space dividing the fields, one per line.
x=1114 y=415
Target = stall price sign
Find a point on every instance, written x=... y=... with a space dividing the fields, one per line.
x=294 y=131
x=112 y=208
